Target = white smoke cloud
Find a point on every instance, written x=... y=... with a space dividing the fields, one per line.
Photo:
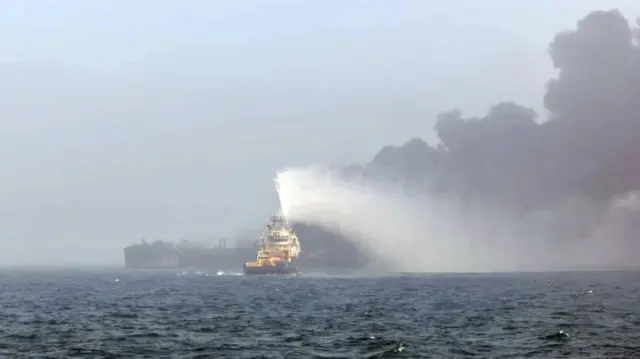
x=629 y=201
x=433 y=234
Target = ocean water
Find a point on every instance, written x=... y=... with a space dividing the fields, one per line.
x=118 y=314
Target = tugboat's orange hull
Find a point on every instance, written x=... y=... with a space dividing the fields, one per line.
x=280 y=267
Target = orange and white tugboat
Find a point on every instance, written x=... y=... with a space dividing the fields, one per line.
x=278 y=251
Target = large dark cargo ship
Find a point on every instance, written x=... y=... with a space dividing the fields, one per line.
x=322 y=250
x=161 y=254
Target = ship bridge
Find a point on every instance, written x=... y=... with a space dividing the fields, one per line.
x=280 y=235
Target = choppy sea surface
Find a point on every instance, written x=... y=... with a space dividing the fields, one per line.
x=168 y=314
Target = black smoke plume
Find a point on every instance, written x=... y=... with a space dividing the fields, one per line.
x=586 y=147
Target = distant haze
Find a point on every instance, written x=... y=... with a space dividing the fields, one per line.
x=122 y=120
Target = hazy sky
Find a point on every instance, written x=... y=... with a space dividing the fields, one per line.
x=123 y=119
